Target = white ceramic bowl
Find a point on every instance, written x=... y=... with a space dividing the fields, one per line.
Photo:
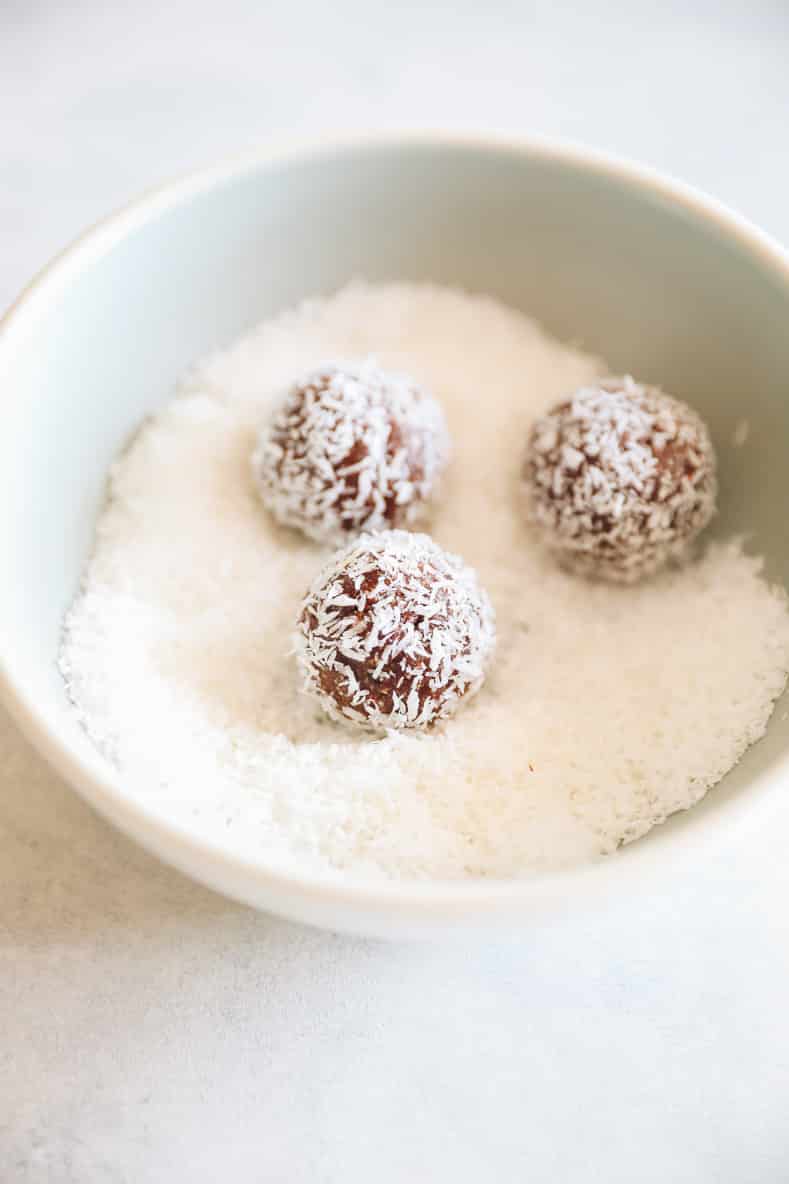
x=662 y=282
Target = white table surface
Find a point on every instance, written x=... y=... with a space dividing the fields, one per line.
x=151 y=1031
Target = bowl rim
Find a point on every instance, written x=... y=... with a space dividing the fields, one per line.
x=250 y=880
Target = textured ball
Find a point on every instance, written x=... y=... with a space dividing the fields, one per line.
x=620 y=479
x=351 y=448
x=394 y=633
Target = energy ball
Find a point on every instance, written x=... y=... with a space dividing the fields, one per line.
x=351 y=448
x=620 y=479
x=394 y=633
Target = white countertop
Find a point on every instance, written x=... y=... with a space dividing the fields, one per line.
x=152 y=1032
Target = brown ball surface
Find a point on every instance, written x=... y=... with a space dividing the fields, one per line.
x=351 y=448
x=620 y=479
x=394 y=633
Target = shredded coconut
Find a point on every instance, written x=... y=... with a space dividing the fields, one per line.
x=605 y=709
x=394 y=633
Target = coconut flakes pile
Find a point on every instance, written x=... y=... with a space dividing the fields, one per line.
x=605 y=708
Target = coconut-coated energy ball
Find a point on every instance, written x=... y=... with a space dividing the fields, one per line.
x=351 y=448
x=394 y=633
x=620 y=479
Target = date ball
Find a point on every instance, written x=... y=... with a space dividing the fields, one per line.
x=349 y=449
x=620 y=479
x=394 y=633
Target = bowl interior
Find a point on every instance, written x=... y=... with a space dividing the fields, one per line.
x=657 y=285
